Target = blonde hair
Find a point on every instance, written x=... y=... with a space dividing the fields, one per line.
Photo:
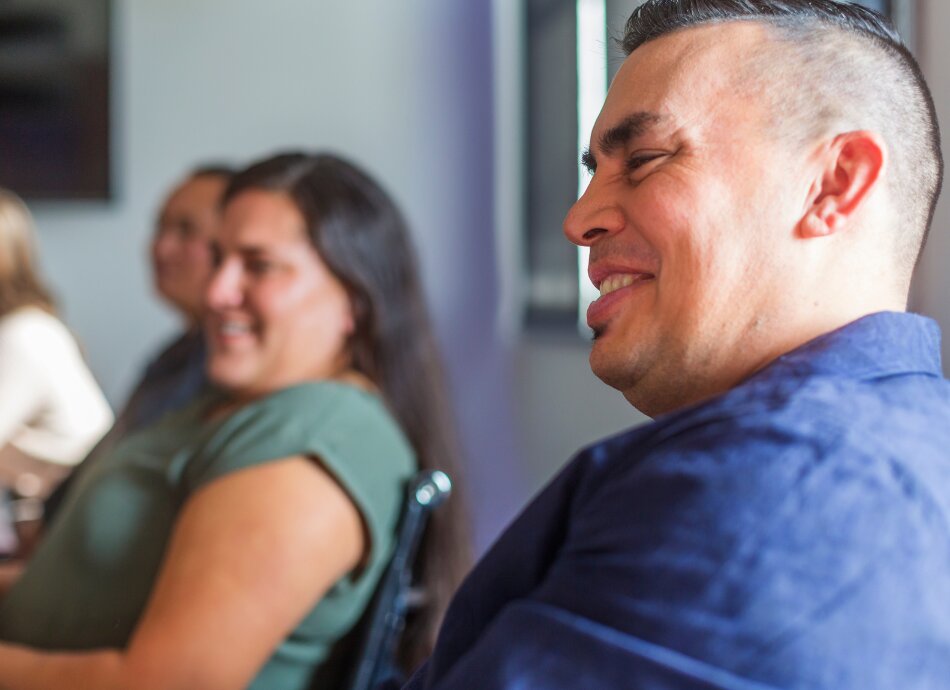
x=20 y=284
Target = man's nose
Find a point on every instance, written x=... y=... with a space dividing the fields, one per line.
x=593 y=216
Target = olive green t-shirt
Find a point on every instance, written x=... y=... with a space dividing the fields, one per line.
x=90 y=579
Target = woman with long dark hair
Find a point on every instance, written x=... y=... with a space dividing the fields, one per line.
x=235 y=543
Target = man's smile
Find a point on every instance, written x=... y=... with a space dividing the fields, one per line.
x=614 y=288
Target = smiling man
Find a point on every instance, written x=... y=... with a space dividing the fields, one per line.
x=764 y=175
x=747 y=217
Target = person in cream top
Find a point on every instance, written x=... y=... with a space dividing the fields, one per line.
x=51 y=408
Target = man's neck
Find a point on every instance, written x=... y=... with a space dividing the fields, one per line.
x=762 y=344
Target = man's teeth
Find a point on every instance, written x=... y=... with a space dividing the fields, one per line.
x=616 y=282
x=229 y=328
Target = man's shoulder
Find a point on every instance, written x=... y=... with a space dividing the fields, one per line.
x=779 y=519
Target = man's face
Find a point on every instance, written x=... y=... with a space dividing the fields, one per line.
x=181 y=246
x=689 y=218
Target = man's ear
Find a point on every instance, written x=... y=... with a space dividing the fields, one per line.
x=852 y=167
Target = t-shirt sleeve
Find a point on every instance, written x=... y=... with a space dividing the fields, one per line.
x=349 y=432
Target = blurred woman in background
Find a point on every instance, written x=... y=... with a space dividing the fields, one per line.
x=51 y=409
x=235 y=543
x=180 y=257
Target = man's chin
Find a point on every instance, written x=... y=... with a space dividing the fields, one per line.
x=605 y=366
x=621 y=371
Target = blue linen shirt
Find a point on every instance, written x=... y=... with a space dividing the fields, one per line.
x=791 y=533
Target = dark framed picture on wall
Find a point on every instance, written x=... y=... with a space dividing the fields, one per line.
x=55 y=119
x=569 y=57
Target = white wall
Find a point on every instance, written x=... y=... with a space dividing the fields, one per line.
x=401 y=87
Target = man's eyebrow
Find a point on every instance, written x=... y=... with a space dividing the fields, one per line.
x=631 y=127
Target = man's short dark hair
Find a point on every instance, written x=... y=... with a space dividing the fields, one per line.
x=837 y=63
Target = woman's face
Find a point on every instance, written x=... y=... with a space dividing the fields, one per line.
x=276 y=314
x=181 y=251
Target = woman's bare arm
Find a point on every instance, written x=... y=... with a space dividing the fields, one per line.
x=251 y=554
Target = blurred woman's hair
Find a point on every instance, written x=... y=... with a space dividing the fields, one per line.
x=361 y=236
x=20 y=284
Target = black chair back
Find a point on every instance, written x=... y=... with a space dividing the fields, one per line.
x=395 y=596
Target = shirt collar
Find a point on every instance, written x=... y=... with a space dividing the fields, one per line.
x=874 y=346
